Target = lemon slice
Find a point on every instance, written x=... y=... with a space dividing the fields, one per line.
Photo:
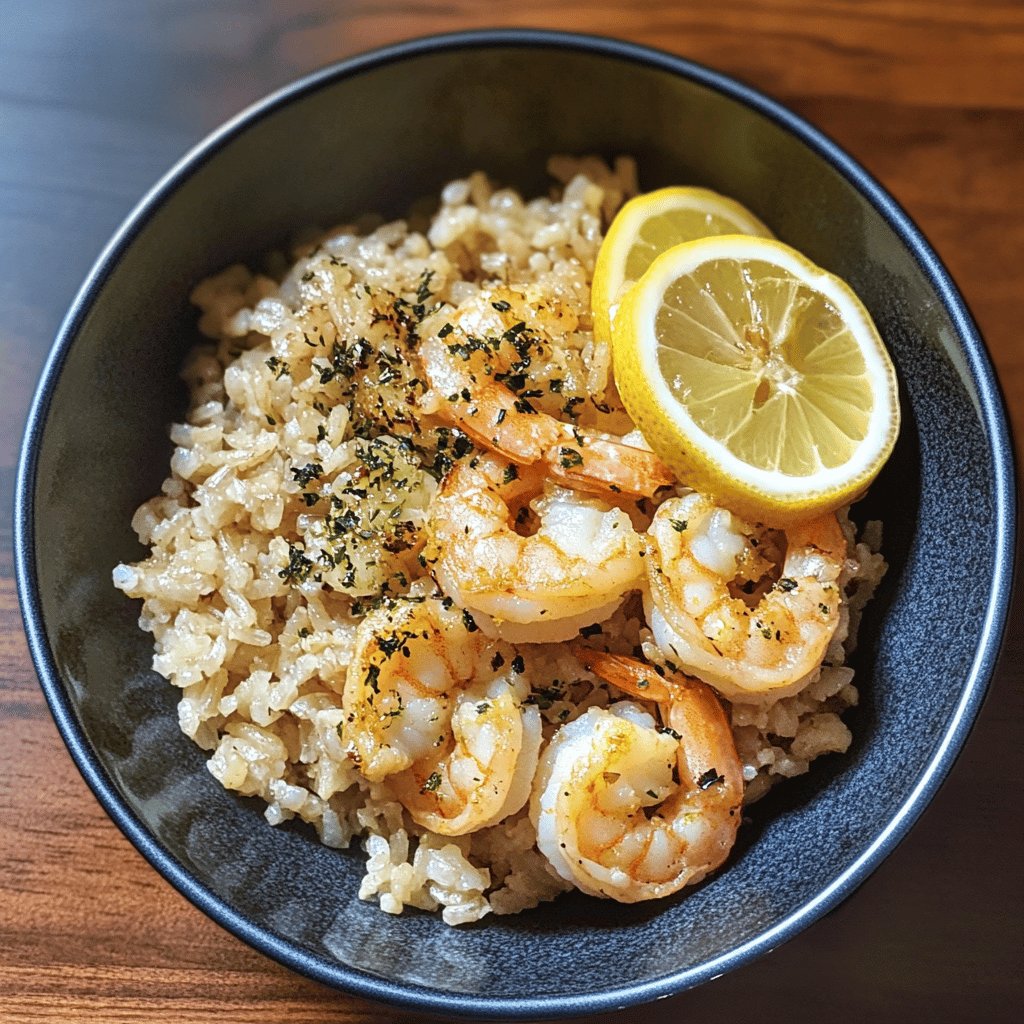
x=757 y=377
x=648 y=225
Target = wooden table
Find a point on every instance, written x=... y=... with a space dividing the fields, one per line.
x=98 y=97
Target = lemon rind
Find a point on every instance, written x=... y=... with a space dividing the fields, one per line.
x=609 y=270
x=704 y=459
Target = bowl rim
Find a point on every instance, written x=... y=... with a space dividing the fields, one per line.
x=364 y=984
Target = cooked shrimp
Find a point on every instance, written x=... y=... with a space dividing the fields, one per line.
x=470 y=356
x=573 y=571
x=437 y=709
x=697 y=551
x=609 y=816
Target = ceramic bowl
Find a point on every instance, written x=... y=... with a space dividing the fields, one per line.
x=376 y=133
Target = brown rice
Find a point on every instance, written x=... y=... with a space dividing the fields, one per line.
x=259 y=652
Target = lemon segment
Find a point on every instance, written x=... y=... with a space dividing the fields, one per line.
x=757 y=377
x=650 y=224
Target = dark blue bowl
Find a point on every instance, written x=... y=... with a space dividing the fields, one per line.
x=375 y=133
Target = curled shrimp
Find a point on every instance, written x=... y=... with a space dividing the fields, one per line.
x=701 y=561
x=609 y=816
x=574 y=570
x=470 y=356
x=438 y=710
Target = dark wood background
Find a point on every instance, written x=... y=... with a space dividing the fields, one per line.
x=99 y=97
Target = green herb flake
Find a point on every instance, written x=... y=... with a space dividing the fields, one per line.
x=298 y=567
x=372 y=677
x=279 y=366
x=462 y=446
x=710 y=778
x=305 y=474
x=570 y=457
x=423 y=291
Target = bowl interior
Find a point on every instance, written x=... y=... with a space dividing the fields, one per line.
x=376 y=141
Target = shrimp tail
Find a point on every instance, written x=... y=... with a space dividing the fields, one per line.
x=709 y=748
x=636 y=678
x=597 y=465
x=691 y=709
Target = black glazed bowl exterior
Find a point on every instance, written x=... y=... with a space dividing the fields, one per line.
x=376 y=133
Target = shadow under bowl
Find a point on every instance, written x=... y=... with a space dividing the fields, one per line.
x=374 y=134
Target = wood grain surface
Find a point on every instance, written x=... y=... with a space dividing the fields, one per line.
x=98 y=97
